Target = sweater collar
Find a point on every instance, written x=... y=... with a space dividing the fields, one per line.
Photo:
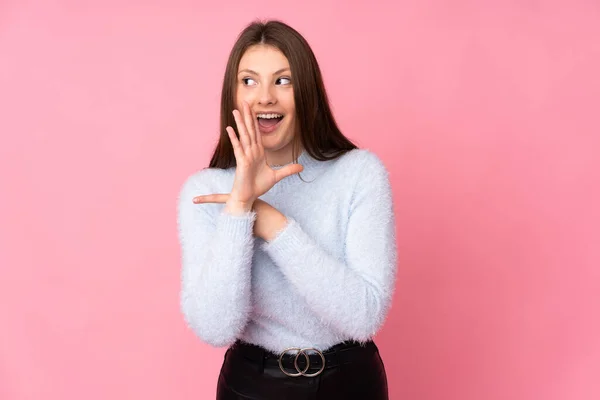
x=312 y=168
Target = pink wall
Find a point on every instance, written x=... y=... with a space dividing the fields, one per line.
x=484 y=112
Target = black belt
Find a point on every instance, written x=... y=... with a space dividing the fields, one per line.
x=309 y=362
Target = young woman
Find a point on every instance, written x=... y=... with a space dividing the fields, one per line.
x=288 y=238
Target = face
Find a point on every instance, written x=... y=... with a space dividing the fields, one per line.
x=264 y=81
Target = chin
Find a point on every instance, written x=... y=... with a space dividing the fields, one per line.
x=273 y=146
x=279 y=139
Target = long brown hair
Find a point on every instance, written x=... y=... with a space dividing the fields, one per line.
x=318 y=131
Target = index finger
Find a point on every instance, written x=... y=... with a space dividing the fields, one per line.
x=250 y=126
x=258 y=135
x=211 y=198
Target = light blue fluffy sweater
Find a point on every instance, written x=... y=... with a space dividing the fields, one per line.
x=327 y=277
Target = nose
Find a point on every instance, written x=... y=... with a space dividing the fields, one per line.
x=266 y=95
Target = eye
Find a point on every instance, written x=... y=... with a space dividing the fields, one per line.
x=284 y=81
x=249 y=81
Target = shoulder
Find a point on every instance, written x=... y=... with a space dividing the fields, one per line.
x=366 y=174
x=204 y=181
x=363 y=162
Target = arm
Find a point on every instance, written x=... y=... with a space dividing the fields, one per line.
x=217 y=252
x=353 y=294
x=215 y=274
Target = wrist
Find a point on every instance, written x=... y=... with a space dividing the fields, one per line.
x=278 y=223
x=269 y=221
x=237 y=207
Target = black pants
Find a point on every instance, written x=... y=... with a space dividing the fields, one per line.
x=350 y=372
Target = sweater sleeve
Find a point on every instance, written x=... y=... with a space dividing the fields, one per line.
x=352 y=295
x=216 y=256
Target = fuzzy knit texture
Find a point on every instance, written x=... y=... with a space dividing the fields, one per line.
x=327 y=277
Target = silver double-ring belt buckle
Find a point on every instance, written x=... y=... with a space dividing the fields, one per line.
x=303 y=352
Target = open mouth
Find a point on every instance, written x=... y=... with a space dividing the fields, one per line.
x=267 y=123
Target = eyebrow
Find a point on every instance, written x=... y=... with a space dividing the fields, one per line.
x=255 y=73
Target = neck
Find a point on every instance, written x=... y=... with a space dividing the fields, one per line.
x=312 y=169
x=278 y=159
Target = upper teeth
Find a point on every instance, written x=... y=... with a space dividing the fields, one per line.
x=268 y=116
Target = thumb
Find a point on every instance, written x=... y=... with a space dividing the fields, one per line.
x=288 y=170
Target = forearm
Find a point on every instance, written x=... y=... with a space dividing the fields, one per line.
x=215 y=297
x=269 y=221
x=353 y=297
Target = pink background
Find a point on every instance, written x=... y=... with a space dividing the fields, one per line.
x=486 y=114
